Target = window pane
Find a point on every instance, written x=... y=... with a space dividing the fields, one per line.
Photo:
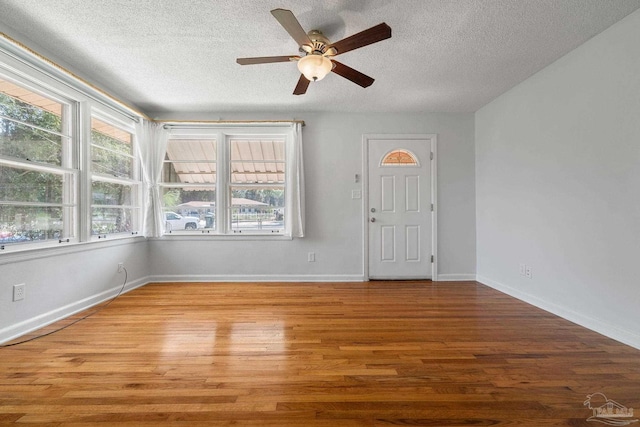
x=257 y=208
x=23 y=105
x=115 y=205
x=20 y=185
x=20 y=224
x=38 y=205
x=257 y=161
x=107 y=193
x=190 y=161
x=190 y=172
x=111 y=163
x=192 y=205
x=24 y=142
x=109 y=220
x=111 y=137
x=111 y=150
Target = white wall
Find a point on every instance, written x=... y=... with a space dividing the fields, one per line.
x=60 y=284
x=558 y=185
x=334 y=221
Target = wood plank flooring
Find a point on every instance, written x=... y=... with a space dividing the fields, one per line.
x=315 y=354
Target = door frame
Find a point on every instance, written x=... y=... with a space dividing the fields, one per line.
x=432 y=138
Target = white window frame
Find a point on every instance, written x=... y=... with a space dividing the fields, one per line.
x=134 y=182
x=230 y=185
x=168 y=185
x=68 y=169
x=223 y=135
x=33 y=72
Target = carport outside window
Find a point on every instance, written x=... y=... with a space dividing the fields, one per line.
x=257 y=185
x=189 y=185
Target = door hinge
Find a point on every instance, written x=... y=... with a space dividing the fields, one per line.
x=432 y=259
x=431 y=207
x=431 y=155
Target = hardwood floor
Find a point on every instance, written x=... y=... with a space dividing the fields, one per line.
x=309 y=354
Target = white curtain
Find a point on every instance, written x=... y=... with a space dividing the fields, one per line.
x=296 y=185
x=152 y=146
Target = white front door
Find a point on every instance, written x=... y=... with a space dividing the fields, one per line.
x=399 y=208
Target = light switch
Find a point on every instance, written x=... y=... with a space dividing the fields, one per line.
x=356 y=194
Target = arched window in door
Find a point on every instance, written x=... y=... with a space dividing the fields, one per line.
x=399 y=157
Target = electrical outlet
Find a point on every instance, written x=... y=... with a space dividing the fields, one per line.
x=120 y=267
x=18 y=292
x=528 y=272
x=523 y=269
x=311 y=257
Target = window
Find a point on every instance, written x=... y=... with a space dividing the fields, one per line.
x=115 y=200
x=234 y=181
x=189 y=185
x=38 y=172
x=399 y=158
x=257 y=185
x=69 y=166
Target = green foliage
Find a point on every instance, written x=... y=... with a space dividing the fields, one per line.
x=21 y=111
x=171 y=198
x=107 y=193
x=106 y=141
x=19 y=185
x=18 y=222
x=110 y=156
x=24 y=142
x=108 y=216
x=272 y=197
x=107 y=220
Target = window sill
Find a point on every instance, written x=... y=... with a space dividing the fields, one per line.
x=24 y=253
x=196 y=236
x=118 y=236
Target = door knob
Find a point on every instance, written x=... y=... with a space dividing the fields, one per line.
x=373 y=220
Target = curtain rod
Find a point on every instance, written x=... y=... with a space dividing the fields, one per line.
x=186 y=123
x=107 y=99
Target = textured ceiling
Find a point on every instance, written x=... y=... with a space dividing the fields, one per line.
x=170 y=56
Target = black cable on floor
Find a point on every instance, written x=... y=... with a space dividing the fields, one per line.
x=126 y=274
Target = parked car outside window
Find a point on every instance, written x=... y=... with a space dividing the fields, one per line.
x=176 y=221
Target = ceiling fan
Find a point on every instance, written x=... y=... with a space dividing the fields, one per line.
x=317 y=61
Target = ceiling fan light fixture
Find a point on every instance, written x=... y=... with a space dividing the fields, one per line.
x=314 y=67
x=317 y=49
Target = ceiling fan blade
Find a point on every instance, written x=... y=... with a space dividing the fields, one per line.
x=372 y=35
x=301 y=87
x=287 y=19
x=350 y=74
x=266 y=59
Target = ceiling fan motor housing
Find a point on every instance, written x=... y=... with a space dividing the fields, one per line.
x=319 y=44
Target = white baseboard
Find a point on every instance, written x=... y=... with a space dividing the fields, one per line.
x=16 y=330
x=257 y=278
x=608 y=330
x=456 y=277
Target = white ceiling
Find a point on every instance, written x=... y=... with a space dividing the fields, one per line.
x=178 y=56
